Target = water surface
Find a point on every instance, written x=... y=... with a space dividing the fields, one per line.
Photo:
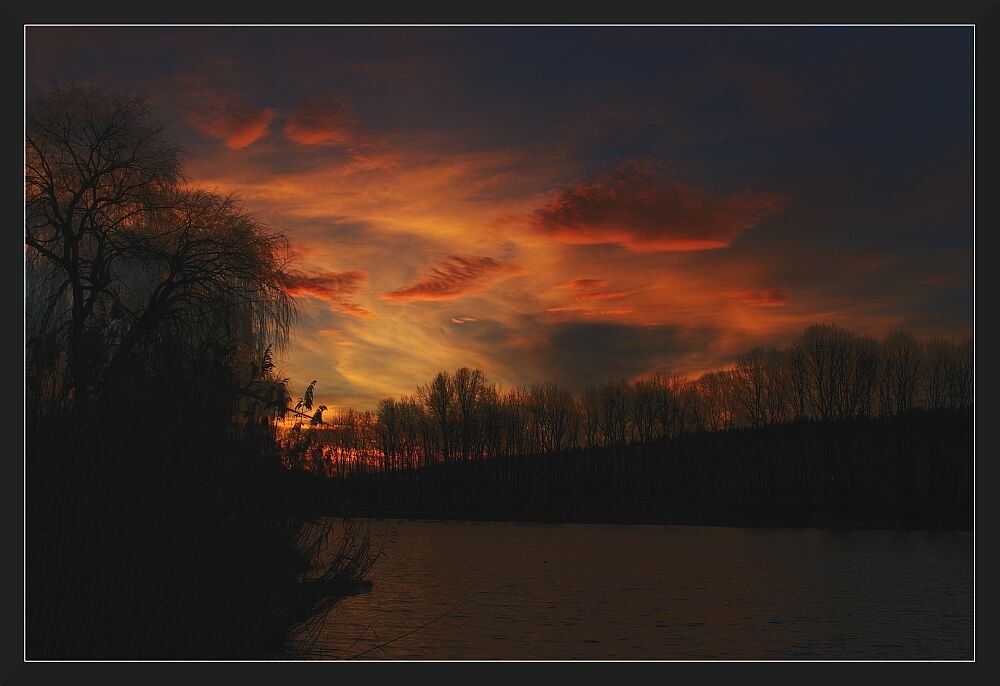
x=464 y=590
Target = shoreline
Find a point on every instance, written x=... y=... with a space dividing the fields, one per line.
x=496 y=518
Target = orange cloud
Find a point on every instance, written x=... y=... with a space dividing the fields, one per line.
x=591 y=313
x=398 y=218
x=324 y=121
x=613 y=312
x=353 y=309
x=453 y=277
x=232 y=121
x=463 y=320
x=604 y=295
x=333 y=287
x=583 y=283
x=774 y=297
x=638 y=207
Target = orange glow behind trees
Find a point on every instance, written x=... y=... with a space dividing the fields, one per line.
x=828 y=373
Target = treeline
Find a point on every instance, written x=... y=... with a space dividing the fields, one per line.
x=828 y=374
x=912 y=470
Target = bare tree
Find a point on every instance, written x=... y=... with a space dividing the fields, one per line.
x=814 y=354
x=863 y=377
x=591 y=410
x=947 y=373
x=796 y=374
x=96 y=167
x=389 y=429
x=902 y=370
x=615 y=403
x=776 y=387
x=644 y=409
x=716 y=392
x=437 y=398
x=960 y=375
x=552 y=407
x=750 y=380
x=467 y=387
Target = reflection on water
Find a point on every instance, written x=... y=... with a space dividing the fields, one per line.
x=461 y=590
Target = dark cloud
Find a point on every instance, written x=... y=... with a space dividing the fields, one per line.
x=641 y=208
x=577 y=354
x=453 y=277
x=333 y=287
x=778 y=98
x=582 y=353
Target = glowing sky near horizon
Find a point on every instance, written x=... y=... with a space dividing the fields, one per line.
x=571 y=204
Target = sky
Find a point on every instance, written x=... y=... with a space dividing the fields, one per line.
x=571 y=204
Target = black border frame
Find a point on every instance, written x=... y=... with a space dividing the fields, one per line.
x=982 y=14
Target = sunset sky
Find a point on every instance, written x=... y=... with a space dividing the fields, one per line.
x=572 y=204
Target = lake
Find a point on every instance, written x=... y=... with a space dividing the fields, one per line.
x=466 y=590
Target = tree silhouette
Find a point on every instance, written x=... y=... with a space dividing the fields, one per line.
x=159 y=521
x=121 y=256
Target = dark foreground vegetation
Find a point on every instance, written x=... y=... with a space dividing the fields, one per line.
x=160 y=522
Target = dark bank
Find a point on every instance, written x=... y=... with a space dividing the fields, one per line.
x=913 y=471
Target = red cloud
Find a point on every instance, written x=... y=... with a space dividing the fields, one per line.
x=453 y=277
x=326 y=121
x=604 y=295
x=773 y=297
x=333 y=287
x=583 y=283
x=326 y=285
x=232 y=121
x=639 y=208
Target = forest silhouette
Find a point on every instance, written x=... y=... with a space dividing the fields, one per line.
x=837 y=429
x=178 y=503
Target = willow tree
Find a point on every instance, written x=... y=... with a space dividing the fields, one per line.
x=157 y=524
x=120 y=254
